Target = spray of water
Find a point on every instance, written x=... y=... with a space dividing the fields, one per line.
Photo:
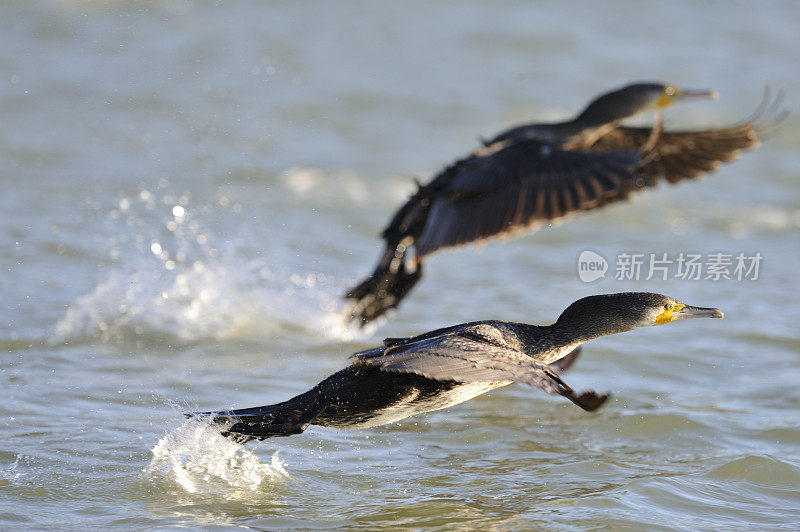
x=171 y=276
x=196 y=457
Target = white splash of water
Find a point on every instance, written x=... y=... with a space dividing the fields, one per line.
x=180 y=280
x=200 y=460
x=10 y=473
x=206 y=301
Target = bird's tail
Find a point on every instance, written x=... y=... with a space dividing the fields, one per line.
x=387 y=285
x=281 y=419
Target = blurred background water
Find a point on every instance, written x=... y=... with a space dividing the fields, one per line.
x=189 y=188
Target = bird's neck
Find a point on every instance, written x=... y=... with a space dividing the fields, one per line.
x=551 y=342
x=547 y=343
x=597 y=120
x=585 y=330
x=604 y=110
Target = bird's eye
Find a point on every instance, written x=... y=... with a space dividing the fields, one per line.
x=669 y=91
x=670 y=305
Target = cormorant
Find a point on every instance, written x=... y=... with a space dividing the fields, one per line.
x=441 y=368
x=534 y=174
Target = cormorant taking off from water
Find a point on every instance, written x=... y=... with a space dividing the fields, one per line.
x=538 y=173
x=441 y=368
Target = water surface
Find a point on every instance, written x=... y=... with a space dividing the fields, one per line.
x=188 y=189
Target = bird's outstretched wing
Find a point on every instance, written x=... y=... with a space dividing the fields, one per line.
x=559 y=366
x=682 y=155
x=472 y=354
x=501 y=190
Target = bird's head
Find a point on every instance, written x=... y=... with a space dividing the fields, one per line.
x=600 y=315
x=636 y=98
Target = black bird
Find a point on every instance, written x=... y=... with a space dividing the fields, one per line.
x=534 y=174
x=441 y=368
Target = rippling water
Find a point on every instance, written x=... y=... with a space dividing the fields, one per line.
x=187 y=190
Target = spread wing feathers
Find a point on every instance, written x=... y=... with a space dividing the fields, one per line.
x=682 y=155
x=559 y=366
x=518 y=185
x=464 y=356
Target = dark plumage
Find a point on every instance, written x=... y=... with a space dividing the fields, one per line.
x=441 y=368
x=538 y=173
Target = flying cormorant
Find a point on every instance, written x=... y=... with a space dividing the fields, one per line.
x=441 y=368
x=539 y=173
